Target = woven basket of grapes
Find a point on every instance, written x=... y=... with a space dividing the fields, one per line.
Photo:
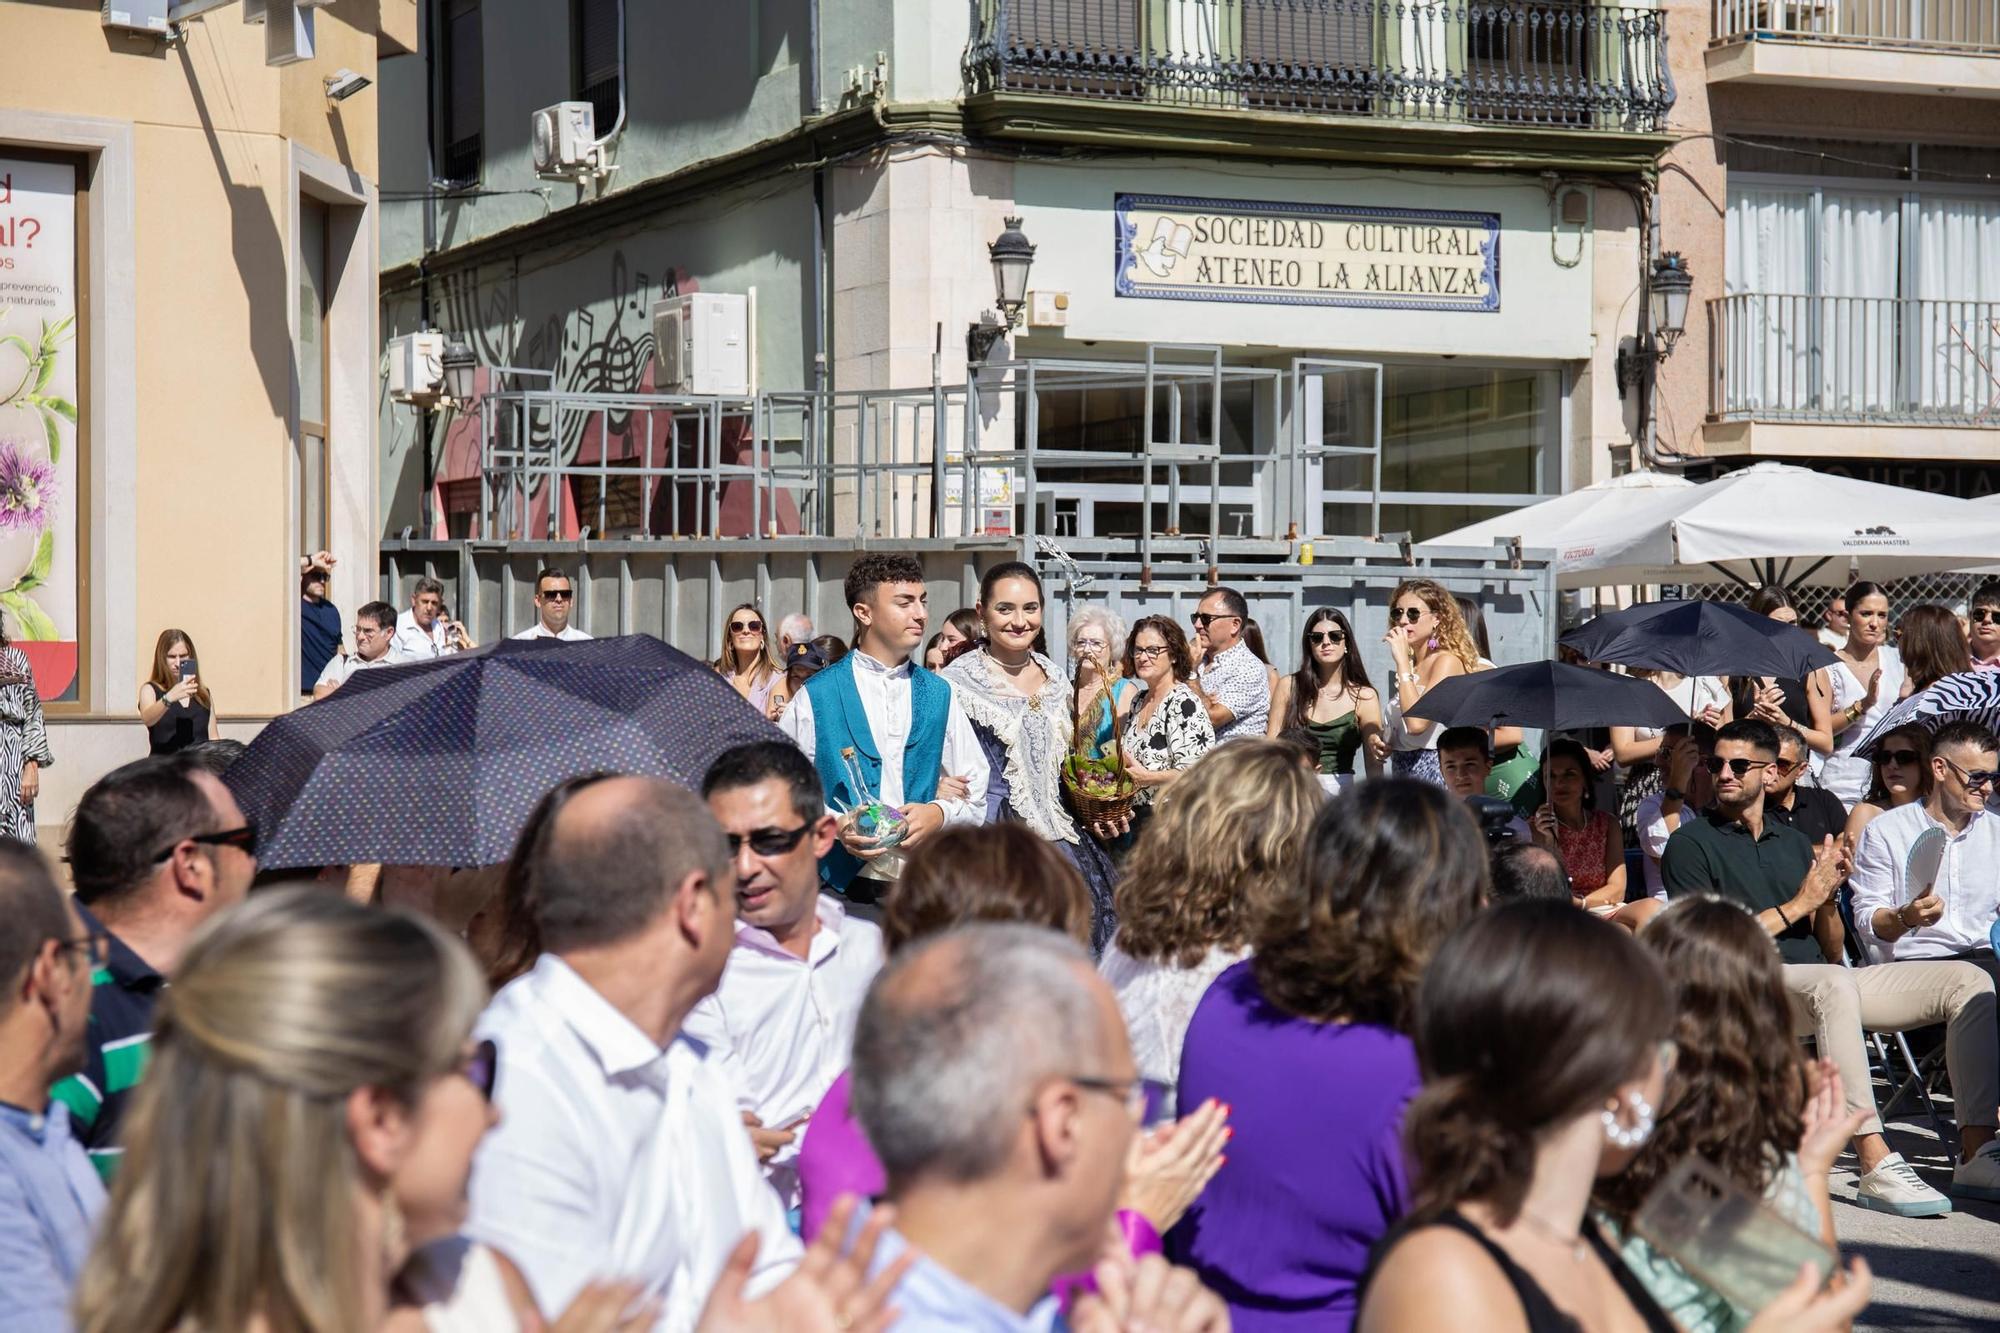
x=1100 y=790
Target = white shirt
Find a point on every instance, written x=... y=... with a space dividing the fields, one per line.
x=1844 y=773
x=415 y=644
x=570 y=633
x=885 y=702
x=1653 y=834
x=783 y=1026
x=1693 y=694
x=340 y=666
x=1968 y=881
x=1832 y=638
x=1158 y=1001
x=614 y=1158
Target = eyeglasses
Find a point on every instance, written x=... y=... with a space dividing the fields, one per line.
x=1202 y=619
x=95 y=943
x=1327 y=636
x=1146 y=652
x=1973 y=777
x=481 y=1068
x=1716 y=763
x=556 y=594
x=746 y=627
x=1985 y=615
x=1904 y=758
x=1408 y=614
x=768 y=841
x=242 y=839
x=1131 y=1091
x=363 y=632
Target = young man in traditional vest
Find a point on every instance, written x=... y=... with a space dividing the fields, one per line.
x=902 y=722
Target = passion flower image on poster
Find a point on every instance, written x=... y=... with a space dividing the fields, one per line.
x=1307 y=254
x=38 y=393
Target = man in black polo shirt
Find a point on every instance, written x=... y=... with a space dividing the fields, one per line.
x=155 y=849
x=1735 y=851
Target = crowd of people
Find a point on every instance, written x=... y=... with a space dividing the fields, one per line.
x=1334 y=1025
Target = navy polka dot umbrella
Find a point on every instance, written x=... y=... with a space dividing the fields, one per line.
x=440 y=763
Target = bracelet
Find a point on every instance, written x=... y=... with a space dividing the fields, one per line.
x=1782 y=917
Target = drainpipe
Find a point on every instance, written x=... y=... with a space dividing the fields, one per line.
x=426 y=423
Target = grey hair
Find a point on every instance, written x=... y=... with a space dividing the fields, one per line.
x=796 y=621
x=425 y=585
x=953 y=1038
x=1789 y=735
x=1113 y=623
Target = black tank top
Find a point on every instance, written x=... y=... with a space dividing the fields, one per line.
x=182 y=725
x=1542 y=1314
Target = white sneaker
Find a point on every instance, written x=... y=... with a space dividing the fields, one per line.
x=1895 y=1187
x=1980 y=1177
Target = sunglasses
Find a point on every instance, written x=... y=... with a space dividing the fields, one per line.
x=1903 y=757
x=556 y=594
x=1409 y=614
x=1327 y=636
x=1973 y=777
x=1202 y=619
x=242 y=839
x=768 y=841
x=1716 y=763
x=481 y=1068
x=1985 y=615
x=746 y=627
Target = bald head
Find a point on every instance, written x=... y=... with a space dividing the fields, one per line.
x=614 y=857
x=1525 y=870
x=956 y=1035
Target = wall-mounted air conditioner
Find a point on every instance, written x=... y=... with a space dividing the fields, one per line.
x=416 y=368
x=564 y=140
x=145 y=16
x=701 y=344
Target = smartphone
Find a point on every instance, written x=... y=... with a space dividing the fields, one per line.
x=187 y=668
x=1726 y=1237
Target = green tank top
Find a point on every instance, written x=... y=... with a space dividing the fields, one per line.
x=1338 y=742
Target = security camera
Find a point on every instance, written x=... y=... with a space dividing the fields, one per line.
x=343 y=84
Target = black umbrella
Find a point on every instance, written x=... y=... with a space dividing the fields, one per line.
x=440 y=763
x=1700 y=639
x=1552 y=696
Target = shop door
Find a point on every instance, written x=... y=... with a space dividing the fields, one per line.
x=1336 y=454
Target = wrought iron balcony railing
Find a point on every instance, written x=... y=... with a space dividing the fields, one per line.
x=1854 y=359
x=1940 y=25
x=1547 y=63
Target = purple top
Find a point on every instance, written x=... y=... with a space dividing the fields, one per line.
x=1316 y=1171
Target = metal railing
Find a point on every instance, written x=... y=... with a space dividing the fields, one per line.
x=1854 y=358
x=1490 y=62
x=1941 y=24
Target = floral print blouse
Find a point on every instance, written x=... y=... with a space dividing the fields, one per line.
x=1177 y=734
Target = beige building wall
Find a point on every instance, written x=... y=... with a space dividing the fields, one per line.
x=199 y=153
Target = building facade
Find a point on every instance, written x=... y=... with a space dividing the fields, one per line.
x=1838 y=196
x=1363 y=265
x=188 y=344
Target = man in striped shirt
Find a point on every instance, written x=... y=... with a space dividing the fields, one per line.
x=155 y=849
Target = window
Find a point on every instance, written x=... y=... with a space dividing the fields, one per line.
x=312 y=488
x=1869 y=289
x=594 y=57
x=461 y=66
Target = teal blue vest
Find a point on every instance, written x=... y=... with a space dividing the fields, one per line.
x=839 y=722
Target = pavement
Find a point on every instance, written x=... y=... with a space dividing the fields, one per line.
x=1930 y=1272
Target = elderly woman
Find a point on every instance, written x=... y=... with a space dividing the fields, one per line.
x=1103 y=693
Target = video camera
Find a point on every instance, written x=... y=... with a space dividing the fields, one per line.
x=1496 y=819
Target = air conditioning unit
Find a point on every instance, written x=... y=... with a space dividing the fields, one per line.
x=416 y=368
x=565 y=140
x=701 y=345
x=146 y=16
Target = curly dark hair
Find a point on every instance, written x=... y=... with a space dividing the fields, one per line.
x=1392 y=865
x=1739 y=1084
x=1179 y=656
x=874 y=568
x=1221 y=855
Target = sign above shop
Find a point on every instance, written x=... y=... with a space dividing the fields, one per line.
x=1307 y=254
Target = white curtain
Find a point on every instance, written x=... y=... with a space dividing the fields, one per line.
x=1768 y=342
x=1859 y=328
x=1956 y=344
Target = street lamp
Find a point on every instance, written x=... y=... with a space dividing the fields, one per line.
x=1666 y=309
x=461 y=372
x=1012 y=256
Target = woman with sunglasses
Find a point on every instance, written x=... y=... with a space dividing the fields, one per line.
x=747 y=659
x=1899 y=772
x=1428 y=642
x=1868 y=679
x=1328 y=701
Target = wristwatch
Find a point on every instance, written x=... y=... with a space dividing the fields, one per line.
x=1673 y=794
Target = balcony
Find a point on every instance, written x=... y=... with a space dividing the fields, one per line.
x=1899 y=46
x=1783 y=368
x=1571 y=65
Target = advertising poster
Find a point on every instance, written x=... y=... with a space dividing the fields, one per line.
x=38 y=396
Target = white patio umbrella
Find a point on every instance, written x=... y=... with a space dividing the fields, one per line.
x=1590 y=524
x=1776 y=523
